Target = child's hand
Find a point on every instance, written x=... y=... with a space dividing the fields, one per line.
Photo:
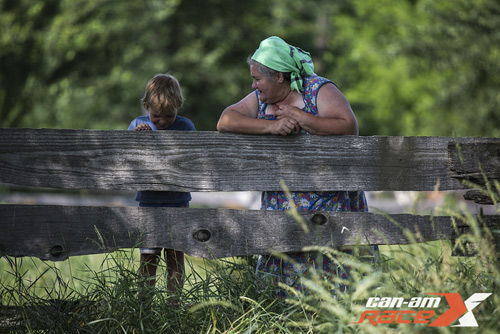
x=142 y=127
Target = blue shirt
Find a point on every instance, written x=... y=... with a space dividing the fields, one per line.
x=164 y=197
x=180 y=123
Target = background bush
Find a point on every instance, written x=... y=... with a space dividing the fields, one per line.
x=407 y=67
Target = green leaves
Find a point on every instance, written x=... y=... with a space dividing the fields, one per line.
x=407 y=67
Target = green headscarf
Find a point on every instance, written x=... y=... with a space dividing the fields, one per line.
x=278 y=55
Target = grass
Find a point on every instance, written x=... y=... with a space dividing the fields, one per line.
x=104 y=294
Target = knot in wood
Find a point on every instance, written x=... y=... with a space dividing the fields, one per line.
x=318 y=219
x=56 y=251
x=202 y=235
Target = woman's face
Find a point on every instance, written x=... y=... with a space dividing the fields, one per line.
x=268 y=88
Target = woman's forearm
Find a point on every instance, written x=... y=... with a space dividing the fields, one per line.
x=234 y=121
x=327 y=126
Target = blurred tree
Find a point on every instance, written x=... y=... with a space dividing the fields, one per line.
x=408 y=67
x=419 y=67
x=368 y=65
x=77 y=63
x=85 y=63
x=21 y=66
x=459 y=40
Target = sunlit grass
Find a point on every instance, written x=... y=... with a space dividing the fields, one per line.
x=104 y=293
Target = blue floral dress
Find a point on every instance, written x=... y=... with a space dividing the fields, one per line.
x=272 y=269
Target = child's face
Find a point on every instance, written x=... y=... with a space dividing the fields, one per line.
x=160 y=121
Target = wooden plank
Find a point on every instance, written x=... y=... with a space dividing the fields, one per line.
x=481 y=198
x=475 y=161
x=55 y=232
x=212 y=161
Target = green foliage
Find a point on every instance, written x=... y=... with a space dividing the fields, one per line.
x=407 y=67
x=461 y=45
x=424 y=67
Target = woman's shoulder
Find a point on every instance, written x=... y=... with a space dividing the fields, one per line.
x=312 y=84
x=315 y=80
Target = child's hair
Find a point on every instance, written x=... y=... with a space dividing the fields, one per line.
x=163 y=94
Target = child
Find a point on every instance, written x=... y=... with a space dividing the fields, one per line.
x=162 y=99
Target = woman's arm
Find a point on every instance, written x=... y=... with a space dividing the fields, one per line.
x=241 y=117
x=335 y=114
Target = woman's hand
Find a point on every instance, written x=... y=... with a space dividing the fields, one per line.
x=288 y=111
x=284 y=125
x=142 y=127
x=289 y=118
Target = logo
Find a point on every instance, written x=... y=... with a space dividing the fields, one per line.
x=458 y=309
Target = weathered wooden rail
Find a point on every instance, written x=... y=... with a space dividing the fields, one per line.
x=211 y=161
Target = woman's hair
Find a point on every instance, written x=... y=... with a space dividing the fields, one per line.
x=266 y=71
x=163 y=94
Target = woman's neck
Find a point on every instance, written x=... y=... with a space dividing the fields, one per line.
x=290 y=98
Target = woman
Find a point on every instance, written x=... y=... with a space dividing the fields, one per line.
x=290 y=98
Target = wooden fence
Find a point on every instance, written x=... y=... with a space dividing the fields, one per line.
x=212 y=161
